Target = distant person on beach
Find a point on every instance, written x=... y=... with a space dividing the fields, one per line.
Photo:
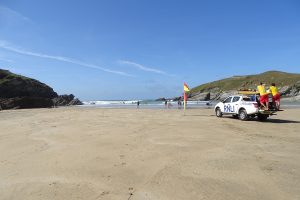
x=166 y=103
x=264 y=96
x=138 y=104
x=179 y=103
x=275 y=96
x=169 y=104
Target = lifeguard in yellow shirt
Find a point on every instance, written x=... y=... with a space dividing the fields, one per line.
x=264 y=98
x=275 y=95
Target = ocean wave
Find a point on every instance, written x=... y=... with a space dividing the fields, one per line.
x=150 y=103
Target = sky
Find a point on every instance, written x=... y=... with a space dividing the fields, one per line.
x=146 y=49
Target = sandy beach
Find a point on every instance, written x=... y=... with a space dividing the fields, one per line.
x=94 y=153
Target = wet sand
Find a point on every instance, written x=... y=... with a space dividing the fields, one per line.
x=94 y=153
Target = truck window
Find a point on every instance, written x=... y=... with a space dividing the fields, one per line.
x=247 y=99
x=228 y=100
x=235 y=99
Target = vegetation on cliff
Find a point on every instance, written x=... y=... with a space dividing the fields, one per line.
x=281 y=79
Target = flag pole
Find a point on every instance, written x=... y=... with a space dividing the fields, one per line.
x=184 y=102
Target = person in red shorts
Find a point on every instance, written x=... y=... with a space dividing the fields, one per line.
x=264 y=96
x=275 y=95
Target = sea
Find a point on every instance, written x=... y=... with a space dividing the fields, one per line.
x=154 y=104
x=147 y=104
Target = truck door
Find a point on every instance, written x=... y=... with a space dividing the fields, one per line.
x=227 y=105
x=235 y=104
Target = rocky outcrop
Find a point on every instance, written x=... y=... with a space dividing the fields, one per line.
x=291 y=90
x=12 y=85
x=205 y=96
x=161 y=99
x=208 y=96
x=66 y=100
x=25 y=102
x=17 y=92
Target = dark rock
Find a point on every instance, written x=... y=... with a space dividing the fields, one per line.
x=21 y=92
x=177 y=98
x=12 y=85
x=200 y=96
x=214 y=96
x=25 y=102
x=161 y=99
x=66 y=100
x=75 y=102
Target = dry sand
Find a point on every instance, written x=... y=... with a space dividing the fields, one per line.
x=84 y=153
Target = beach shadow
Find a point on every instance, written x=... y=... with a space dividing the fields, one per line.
x=269 y=120
x=281 y=121
x=199 y=115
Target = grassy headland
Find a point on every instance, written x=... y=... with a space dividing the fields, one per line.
x=281 y=79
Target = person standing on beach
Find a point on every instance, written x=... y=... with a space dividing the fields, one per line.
x=275 y=96
x=264 y=97
x=179 y=103
x=138 y=104
x=169 y=104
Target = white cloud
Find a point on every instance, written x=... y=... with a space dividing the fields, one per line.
x=142 y=67
x=6 y=46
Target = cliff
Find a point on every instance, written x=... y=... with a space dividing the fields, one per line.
x=287 y=83
x=18 y=91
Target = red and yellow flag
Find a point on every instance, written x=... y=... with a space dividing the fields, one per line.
x=185 y=87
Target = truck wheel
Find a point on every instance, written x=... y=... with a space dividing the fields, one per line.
x=261 y=117
x=243 y=115
x=219 y=112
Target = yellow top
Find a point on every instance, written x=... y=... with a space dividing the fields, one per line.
x=274 y=90
x=261 y=89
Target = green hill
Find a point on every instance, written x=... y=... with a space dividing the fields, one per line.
x=281 y=79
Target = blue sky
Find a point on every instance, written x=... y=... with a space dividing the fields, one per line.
x=141 y=49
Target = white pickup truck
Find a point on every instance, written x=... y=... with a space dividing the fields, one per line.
x=242 y=107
